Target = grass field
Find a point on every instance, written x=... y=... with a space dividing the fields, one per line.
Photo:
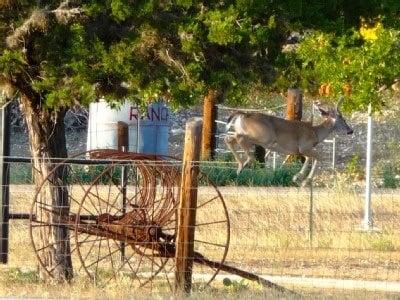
x=270 y=234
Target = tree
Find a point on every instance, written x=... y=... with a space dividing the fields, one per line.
x=60 y=53
x=25 y=66
x=56 y=54
x=351 y=53
x=358 y=64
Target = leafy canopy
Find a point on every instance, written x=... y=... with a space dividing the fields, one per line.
x=180 y=49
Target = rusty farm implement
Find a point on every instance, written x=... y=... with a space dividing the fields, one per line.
x=124 y=222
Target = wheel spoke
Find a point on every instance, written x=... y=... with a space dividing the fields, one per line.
x=125 y=261
x=109 y=250
x=165 y=272
x=209 y=243
x=211 y=223
x=91 y=248
x=102 y=258
x=208 y=201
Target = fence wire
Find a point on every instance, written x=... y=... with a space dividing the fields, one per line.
x=273 y=230
x=297 y=237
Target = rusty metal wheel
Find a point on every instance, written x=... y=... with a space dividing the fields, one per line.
x=46 y=218
x=128 y=241
x=146 y=231
x=135 y=240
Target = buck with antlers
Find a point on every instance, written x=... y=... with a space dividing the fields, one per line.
x=283 y=136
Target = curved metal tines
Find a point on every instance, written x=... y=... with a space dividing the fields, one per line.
x=125 y=220
x=156 y=176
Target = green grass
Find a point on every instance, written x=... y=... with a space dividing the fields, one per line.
x=22 y=173
x=223 y=174
x=219 y=172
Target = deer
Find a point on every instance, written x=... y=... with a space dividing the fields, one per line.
x=283 y=136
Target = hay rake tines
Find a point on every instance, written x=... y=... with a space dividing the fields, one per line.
x=128 y=228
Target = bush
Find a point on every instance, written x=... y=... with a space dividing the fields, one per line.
x=220 y=172
x=389 y=177
x=354 y=168
x=224 y=174
x=22 y=174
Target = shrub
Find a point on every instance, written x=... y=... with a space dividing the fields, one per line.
x=224 y=174
x=354 y=169
x=389 y=177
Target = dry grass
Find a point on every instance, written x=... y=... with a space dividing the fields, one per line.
x=269 y=235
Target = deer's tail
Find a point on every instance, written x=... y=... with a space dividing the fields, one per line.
x=231 y=119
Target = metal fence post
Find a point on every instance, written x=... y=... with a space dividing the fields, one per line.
x=123 y=145
x=368 y=220
x=334 y=154
x=311 y=214
x=5 y=181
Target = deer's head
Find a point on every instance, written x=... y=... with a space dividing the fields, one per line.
x=336 y=117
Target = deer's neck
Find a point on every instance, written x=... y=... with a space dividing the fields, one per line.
x=324 y=129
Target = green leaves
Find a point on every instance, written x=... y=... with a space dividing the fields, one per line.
x=147 y=48
x=11 y=61
x=350 y=65
x=223 y=26
x=120 y=9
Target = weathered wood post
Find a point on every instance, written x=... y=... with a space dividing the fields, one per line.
x=294 y=112
x=4 y=181
x=187 y=208
x=122 y=136
x=208 y=143
x=294 y=108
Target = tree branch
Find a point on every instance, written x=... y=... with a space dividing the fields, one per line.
x=39 y=22
x=168 y=60
x=65 y=13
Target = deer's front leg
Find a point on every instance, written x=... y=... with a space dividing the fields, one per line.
x=267 y=154
x=230 y=142
x=300 y=175
x=310 y=154
x=310 y=176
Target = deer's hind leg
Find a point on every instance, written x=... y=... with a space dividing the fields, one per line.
x=231 y=142
x=246 y=145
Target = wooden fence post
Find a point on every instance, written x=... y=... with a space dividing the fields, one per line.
x=187 y=207
x=294 y=112
x=294 y=108
x=4 y=181
x=208 y=143
x=122 y=136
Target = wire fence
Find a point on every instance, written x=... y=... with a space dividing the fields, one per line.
x=302 y=238
x=280 y=232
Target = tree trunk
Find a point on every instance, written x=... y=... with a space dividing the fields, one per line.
x=294 y=108
x=47 y=140
x=208 y=141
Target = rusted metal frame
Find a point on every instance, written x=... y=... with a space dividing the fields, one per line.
x=4 y=181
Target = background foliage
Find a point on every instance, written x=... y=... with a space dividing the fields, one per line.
x=180 y=49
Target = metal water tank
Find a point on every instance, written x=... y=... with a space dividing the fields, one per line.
x=148 y=132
